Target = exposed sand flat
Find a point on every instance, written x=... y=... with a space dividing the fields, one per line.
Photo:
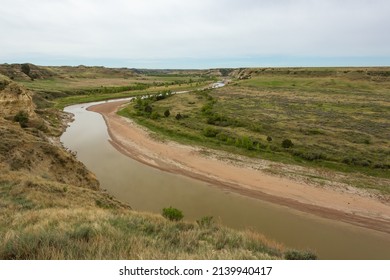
x=134 y=141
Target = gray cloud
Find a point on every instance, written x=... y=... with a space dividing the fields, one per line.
x=174 y=29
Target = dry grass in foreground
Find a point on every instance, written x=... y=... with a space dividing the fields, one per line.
x=48 y=220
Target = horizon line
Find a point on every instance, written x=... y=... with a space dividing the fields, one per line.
x=197 y=68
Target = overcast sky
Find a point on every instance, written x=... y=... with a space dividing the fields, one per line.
x=196 y=33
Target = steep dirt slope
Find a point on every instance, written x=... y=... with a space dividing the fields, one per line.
x=29 y=149
x=14 y=98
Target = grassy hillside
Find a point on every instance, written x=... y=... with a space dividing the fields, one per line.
x=333 y=119
x=51 y=206
x=43 y=219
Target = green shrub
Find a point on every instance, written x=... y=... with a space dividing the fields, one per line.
x=138 y=103
x=269 y=138
x=3 y=84
x=172 y=214
x=155 y=116
x=205 y=222
x=25 y=68
x=167 y=113
x=222 y=136
x=356 y=161
x=148 y=109
x=208 y=107
x=244 y=142
x=258 y=145
x=218 y=120
x=298 y=255
x=231 y=141
x=247 y=143
x=22 y=118
x=287 y=143
x=310 y=156
x=210 y=132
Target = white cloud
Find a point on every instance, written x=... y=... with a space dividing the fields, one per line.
x=174 y=29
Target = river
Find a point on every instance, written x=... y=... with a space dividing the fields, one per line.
x=149 y=189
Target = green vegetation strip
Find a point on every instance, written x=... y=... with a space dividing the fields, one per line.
x=61 y=103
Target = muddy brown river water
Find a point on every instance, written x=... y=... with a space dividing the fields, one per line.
x=149 y=189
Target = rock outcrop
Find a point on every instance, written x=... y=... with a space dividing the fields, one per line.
x=14 y=98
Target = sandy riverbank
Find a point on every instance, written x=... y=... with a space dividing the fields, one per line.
x=134 y=141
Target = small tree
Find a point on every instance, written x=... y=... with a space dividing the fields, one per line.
x=167 y=113
x=172 y=214
x=287 y=143
x=269 y=138
x=148 y=109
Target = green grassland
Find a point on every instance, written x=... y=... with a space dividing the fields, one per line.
x=336 y=119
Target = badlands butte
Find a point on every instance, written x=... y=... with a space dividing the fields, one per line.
x=322 y=132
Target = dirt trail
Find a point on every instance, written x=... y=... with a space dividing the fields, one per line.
x=134 y=141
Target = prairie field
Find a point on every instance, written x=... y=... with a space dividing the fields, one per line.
x=335 y=120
